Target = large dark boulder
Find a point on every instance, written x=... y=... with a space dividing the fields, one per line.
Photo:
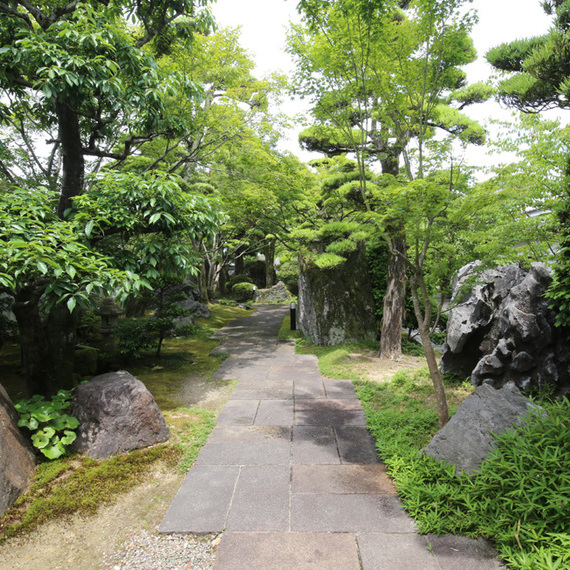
x=468 y=438
x=17 y=461
x=116 y=414
x=336 y=305
x=502 y=330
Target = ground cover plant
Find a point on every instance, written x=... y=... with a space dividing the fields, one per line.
x=51 y=427
x=80 y=485
x=521 y=497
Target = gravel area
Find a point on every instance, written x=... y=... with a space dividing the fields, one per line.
x=148 y=551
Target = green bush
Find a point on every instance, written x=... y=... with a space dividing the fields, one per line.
x=243 y=292
x=133 y=336
x=438 y=337
x=234 y=279
x=88 y=326
x=289 y=274
x=411 y=348
x=51 y=429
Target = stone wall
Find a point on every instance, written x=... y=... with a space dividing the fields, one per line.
x=336 y=305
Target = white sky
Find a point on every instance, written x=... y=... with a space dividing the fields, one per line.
x=264 y=23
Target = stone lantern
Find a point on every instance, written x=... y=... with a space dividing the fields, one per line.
x=109 y=312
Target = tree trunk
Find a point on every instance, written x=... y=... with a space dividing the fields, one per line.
x=203 y=282
x=391 y=334
x=239 y=264
x=269 y=251
x=435 y=375
x=46 y=347
x=73 y=162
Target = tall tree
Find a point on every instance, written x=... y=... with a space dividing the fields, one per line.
x=382 y=80
x=78 y=69
x=538 y=78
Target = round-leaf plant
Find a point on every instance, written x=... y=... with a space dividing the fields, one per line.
x=52 y=430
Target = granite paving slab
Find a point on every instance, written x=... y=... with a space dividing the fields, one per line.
x=202 y=503
x=327 y=412
x=339 y=388
x=356 y=445
x=314 y=445
x=238 y=412
x=396 y=551
x=309 y=386
x=261 y=499
x=275 y=413
x=246 y=453
x=349 y=513
x=257 y=391
x=344 y=479
x=287 y=551
x=290 y=475
x=461 y=552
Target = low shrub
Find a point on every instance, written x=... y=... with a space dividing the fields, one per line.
x=235 y=279
x=243 y=292
x=438 y=337
x=51 y=429
x=133 y=336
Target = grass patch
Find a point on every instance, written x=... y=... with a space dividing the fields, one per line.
x=80 y=485
x=285 y=331
x=338 y=361
x=520 y=498
x=402 y=414
x=190 y=429
x=183 y=358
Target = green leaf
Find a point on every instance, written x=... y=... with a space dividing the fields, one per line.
x=40 y=440
x=71 y=302
x=69 y=437
x=72 y=423
x=30 y=422
x=53 y=451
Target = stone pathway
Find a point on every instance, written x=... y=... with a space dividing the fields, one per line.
x=290 y=473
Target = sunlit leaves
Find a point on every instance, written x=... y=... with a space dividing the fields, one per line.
x=37 y=249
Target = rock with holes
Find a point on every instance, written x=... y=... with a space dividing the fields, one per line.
x=502 y=330
x=17 y=461
x=116 y=414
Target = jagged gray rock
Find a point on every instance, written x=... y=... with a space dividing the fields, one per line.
x=336 y=305
x=468 y=438
x=503 y=331
x=116 y=414
x=276 y=294
x=17 y=461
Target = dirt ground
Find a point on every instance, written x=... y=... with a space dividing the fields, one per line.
x=83 y=543
x=376 y=369
x=88 y=543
